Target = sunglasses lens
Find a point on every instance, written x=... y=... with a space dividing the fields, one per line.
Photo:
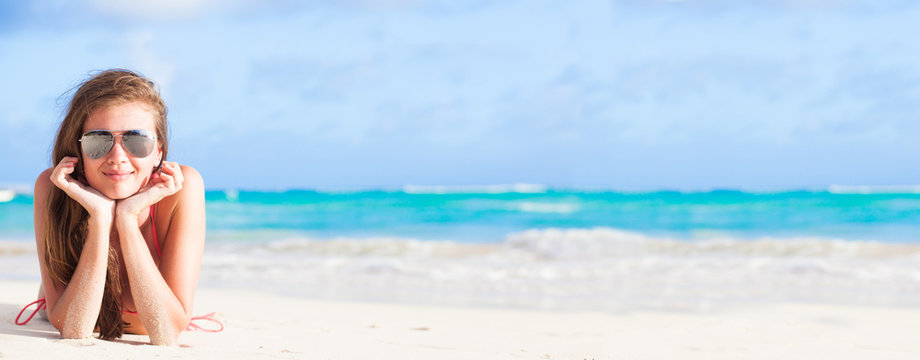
x=96 y=143
x=139 y=143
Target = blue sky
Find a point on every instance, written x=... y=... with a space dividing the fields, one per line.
x=640 y=93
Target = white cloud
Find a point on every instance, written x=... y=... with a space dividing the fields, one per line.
x=142 y=57
x=152 y=9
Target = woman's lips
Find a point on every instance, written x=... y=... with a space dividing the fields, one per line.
x=118 y=175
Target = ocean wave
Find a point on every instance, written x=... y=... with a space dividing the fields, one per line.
x=612 y=243
x=354 y=247
x=598 y=269
x=869 y=190
x=562 y=269
x=13 y=248
x=527 y=188
x=524 y=206
x=475 y=189
x=543 y=207
x=18 y=260
x=6 y=195
x=595 y=243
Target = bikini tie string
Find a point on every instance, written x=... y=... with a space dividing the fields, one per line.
x=41 y=306
x=192 y=326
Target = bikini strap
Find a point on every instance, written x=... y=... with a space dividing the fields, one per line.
x=41 y=306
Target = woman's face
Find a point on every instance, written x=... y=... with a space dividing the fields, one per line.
x=118 y=174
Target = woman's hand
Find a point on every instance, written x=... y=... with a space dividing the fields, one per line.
x=98 y=205
x=163 y=183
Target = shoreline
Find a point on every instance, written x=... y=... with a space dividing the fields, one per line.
x=262 y=325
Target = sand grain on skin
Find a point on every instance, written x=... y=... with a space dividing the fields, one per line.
x=78 y=317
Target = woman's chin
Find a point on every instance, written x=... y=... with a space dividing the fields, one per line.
x=120 y=192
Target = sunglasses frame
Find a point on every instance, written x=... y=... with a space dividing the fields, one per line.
x=111 y=141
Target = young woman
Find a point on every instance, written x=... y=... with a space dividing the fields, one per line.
x=119 y=230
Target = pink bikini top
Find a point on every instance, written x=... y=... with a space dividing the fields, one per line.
x=191 y=325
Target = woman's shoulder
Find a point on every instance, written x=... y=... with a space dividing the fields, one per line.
x=185 y=206
x=190 y=173
x=44 y=176
x=192 y=188
x=43 y=183
x=192 y=179
x=40 y=197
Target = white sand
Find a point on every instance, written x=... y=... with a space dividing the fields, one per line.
x=267 y=326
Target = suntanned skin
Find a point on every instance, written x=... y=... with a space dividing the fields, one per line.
x=120 y=190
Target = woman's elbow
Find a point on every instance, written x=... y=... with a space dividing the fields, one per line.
x=170 y=335
x=75 y=334
x=72 y=330
x=67 y=332
x=164 y=340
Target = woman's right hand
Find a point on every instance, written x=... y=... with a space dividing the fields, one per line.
x=98 y=205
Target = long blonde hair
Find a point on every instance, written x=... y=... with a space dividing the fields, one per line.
x=66 y=226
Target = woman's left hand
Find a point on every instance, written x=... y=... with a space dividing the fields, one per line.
x=162 y=183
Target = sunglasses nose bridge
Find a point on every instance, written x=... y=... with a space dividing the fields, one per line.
x=117 y=153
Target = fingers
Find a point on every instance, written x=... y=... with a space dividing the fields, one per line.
x=60 y=175
x=171 y=175
x=92 y=200
x=165 y=182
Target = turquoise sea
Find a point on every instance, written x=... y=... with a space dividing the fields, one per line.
x=474 y=215
x=539 y=247
x=488 y=214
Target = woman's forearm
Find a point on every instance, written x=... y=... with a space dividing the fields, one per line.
x=160 y=310
x=75 y=312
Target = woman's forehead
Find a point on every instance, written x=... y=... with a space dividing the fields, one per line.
x=127 y=116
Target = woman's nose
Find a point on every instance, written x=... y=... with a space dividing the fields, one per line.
x=118 y=154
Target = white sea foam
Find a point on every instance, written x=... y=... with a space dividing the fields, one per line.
x=542 y=207
x=475 y=189
x=15 y=248
x=232 y=195
x=600 y=269
x=866 y=190
x=18 y=260
x=594 y=269
x=6 y=195
x=23 y=189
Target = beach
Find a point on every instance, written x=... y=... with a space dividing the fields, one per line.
x=540 y=274
x=260 y=325
x=462 y=180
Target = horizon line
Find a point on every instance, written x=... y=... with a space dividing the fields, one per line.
x=535 y=188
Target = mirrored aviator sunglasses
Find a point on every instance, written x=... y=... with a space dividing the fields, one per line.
x=138 y=143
